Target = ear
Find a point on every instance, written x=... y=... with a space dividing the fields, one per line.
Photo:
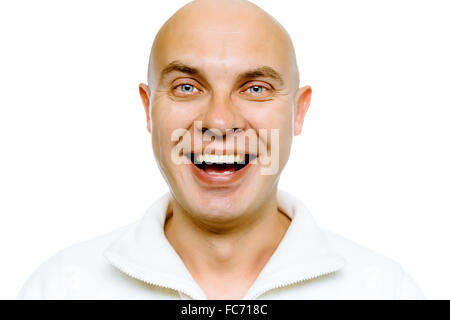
x=144 y=92
x=302 y=102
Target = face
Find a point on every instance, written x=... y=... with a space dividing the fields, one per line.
x=219 y=84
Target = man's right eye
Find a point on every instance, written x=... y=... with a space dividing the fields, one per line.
x=186 y=89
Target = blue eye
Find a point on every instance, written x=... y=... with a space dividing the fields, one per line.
x=256 y=89
x=187 y=88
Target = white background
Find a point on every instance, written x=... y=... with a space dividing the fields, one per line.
x=372 y=163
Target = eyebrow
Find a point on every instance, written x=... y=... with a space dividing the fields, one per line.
x=180 y=67
x=263 y=72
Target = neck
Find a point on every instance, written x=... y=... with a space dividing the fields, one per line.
x=220 y=262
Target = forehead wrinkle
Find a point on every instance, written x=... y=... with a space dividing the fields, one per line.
x=211 y=30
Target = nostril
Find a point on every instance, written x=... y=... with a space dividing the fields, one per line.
x=213 y=132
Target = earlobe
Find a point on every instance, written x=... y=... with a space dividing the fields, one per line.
x=302 y=105
x=144 y=92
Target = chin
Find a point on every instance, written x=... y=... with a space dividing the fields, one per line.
x=216 y=208
x=224 y=203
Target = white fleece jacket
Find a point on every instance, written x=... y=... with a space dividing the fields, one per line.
x=137 y=262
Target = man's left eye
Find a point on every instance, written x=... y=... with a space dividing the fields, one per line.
x=256 y=89
x=187 y=88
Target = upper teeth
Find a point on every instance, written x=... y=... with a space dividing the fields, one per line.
x=214 y=158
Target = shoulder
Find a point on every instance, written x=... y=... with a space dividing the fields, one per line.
x=59 y=276
x=356 y=254
x=372 y=271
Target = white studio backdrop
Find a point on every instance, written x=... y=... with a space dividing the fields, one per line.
x=372 y=163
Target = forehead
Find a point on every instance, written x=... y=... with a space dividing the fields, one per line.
x=230 y=47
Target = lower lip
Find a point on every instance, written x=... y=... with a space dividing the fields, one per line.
x=220 y=180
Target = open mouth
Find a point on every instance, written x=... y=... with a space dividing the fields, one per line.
x=220 y=164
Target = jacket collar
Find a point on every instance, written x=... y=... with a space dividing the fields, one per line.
x=143 y=252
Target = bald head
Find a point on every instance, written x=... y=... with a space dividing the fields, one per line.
x=220 y=31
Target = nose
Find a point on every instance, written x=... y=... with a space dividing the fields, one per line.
x=221 y=114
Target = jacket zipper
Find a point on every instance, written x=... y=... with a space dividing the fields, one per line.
x=291 y=282
x=119 y=266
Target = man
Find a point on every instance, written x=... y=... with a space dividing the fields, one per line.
x=222 y=105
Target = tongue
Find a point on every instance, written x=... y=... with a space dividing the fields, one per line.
x=220 y=168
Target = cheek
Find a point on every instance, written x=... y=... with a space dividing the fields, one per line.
x=275 y=117
x=167 y=117
x=272 y=116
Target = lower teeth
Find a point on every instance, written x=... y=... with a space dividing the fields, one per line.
x=220 y=173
